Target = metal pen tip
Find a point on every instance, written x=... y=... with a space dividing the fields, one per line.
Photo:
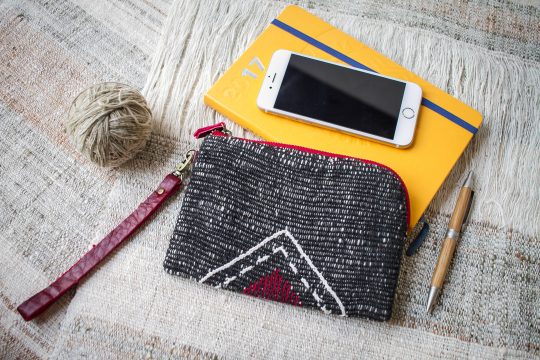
x=432 y=299
x=469 y=181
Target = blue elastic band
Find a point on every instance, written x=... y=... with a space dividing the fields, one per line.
x=447 y=114
x=327 y=49
x=418 y=240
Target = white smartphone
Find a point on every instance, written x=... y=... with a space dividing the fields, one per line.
x=340 y=97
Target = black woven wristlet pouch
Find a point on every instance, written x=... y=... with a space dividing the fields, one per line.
x=292 y=225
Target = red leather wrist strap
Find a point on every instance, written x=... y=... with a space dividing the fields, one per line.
x=38 y=303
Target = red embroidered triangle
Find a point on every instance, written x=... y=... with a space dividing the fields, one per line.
x=273 y=287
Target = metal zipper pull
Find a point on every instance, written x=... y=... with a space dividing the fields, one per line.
x=182 y=169
x=205 y=131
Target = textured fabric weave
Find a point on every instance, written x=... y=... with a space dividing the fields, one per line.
x=292 y=226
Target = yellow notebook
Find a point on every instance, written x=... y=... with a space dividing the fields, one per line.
x=445 y=124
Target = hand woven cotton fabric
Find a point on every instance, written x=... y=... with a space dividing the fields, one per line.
x=292 y=226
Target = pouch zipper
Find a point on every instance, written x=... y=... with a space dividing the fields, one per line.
x=221 y=130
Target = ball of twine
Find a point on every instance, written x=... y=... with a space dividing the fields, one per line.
x=109 y=123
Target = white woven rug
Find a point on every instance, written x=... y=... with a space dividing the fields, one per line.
x=55 y=204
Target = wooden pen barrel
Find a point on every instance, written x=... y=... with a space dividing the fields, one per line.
x=460 y=211
x=443 y=262
x=450 y=242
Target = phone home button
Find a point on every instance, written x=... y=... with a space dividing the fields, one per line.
x=408 y=113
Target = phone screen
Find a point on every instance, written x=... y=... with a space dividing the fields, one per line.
x=341 y=96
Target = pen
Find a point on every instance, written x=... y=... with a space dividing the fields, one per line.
x=461 y=211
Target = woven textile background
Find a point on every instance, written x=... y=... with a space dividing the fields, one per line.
x=54 y=204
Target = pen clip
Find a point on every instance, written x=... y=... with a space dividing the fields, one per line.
x=468 y=208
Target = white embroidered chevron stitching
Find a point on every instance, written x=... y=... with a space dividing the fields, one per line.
x=246 y=269
x=281 y=250
x=275 y=250
x=293 y=268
